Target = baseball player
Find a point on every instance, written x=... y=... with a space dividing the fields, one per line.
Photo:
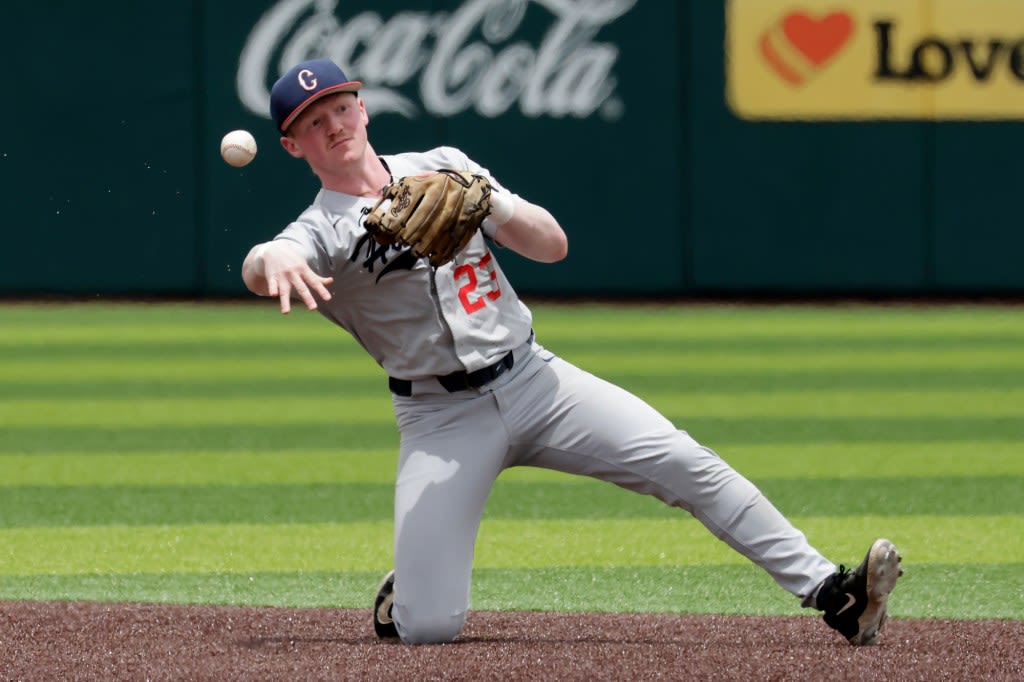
x=475 y=392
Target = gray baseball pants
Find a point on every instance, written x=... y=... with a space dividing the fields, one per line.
x=545 y=412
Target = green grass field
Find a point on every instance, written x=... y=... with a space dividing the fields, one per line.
x=224 y=454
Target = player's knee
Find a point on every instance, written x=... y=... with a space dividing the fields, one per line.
x=428 y=628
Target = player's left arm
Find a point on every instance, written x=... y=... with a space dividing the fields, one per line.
x=529 y=230
x=515 y=223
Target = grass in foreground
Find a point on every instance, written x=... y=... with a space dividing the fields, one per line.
x=223 y=454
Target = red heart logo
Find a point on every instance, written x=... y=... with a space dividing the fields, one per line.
x=817 y=39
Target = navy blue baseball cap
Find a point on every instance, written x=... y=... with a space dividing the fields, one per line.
x=304 y=84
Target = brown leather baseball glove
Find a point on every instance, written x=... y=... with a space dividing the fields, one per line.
x=435 y=214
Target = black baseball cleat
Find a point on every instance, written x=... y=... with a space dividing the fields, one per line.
x=382 y=623
x=855 y=603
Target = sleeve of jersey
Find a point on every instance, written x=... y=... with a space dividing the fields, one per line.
x=304 y=238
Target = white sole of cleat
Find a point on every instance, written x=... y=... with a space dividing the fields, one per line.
x=883 y=570
x=383 y=624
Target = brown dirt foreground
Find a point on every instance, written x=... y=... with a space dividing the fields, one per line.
x=94 y=641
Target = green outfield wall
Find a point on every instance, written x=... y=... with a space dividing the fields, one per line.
x=694 y=147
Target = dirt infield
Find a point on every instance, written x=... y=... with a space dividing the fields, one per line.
x=91 y=641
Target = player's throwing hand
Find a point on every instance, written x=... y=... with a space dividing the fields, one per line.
x=285 y=271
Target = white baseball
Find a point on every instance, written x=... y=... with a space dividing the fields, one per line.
x=238 y=148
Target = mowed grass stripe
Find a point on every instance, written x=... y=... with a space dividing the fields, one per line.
x=282 y=467
x=577 y=320
x=334 y=382
x=99 y=320
x=987 y=402
x=287 y=364
x=291 y=362
x=133 y=413
x=335 y=465
x=924 y=592
x=238 y=412
x=720 y=433
x=326 y=503
x=174 y=345
x=94 y=320
x=800 y=361
x=365 y=546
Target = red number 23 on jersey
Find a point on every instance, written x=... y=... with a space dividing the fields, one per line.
x=471 y=299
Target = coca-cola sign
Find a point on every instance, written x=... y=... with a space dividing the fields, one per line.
x=473 y=58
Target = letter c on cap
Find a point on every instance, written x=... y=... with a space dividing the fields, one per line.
x=307 y=79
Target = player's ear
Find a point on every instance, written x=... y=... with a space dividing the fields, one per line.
x=291 y=147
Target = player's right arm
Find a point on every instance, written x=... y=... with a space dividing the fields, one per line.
x=276 y=269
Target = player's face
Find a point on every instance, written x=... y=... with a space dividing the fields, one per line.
x=331 y=133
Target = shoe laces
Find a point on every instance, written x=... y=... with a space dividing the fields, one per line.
x=833 y=587
x=838 y=578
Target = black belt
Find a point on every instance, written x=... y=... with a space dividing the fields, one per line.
x=458 y=381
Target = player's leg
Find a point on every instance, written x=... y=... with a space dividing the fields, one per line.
x=572 y=421
x=452 y=449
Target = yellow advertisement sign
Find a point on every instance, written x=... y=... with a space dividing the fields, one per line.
x=875 y=59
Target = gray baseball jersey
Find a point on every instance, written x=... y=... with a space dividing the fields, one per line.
x=379 y=292
x=422 y=324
